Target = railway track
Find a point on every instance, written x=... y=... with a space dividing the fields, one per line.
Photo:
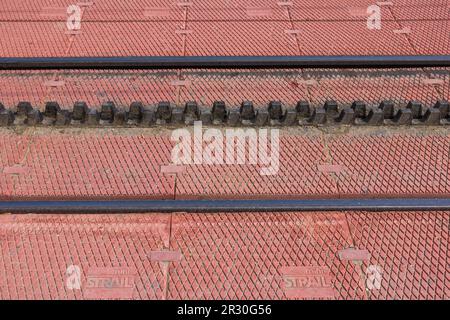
x=272 y=113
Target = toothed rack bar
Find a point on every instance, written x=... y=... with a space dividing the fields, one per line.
x=273 y=114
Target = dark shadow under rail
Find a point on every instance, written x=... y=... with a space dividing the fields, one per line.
x=232 y=62
x=216 y=206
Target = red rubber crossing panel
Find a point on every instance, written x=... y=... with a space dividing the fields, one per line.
x=73 y=166
x=120 y=86
x=31 y=86
x=14 y=148
x=420 y=3
x=234 y=4
x=409 y=253
x=237 y=10
x=300 y=174
x=342 y=13
x=42 y=255
x=443 y=81
x=34 y=10
x=235 y=86
x=128 y=39
x=369 y=162
x=37 y=39
x=6 y=185
x=429 y=37
x=389 y=164
x=232 y=86
x=351 y=38
x=240 y=38
x=356 y=255
x=270 y=13
x=373 y=86
x=242 y=256
x=233 y=32
x=135 y=10
x=321 y=4
x=422 y=12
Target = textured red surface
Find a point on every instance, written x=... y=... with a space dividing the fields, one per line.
x=37 y=250
x=14 y=149
x=222 y=27
x=373 y=86
x=298 y=175
x=236 y=10
x=98 y=164
x=241 y=255
x=226 y=255
x=135 y=10
x=378 y=164
x=41 y=39
x=392 y=165
x=412 y=250
x=122 y=87
x=444 y=87
x=36 y=10
x=350 y=12
x=128 y=39
x=16 y=86
x=86 y=166
x=257 y=27
x=422 y=11
x=350 y=38
x=421 y=40
x=235 y=86
x=232 y=86
x=225 y=38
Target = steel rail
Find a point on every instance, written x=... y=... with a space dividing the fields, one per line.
x=233 y=62
x=214 y=206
